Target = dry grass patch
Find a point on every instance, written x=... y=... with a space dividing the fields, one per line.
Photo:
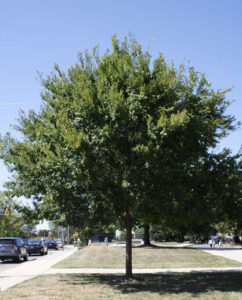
x=101 y=256
x=209 y=286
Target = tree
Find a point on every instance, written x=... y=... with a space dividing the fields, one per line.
x=113 y=137
x=29 y=230
x=43 y=233
x=215 y=184
x=209 y=193
x=10 y=225
x=229 y=184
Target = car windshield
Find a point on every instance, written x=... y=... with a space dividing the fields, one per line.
x=34 y=242
x=6 y=242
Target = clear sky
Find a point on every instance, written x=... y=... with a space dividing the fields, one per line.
x=36 y=34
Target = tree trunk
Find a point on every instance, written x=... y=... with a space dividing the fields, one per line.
x=146 y=235
x=128 y=245
x=180 y=238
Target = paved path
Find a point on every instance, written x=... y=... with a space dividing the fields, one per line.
x=7 y=264
x=140 y=271
x=233 y=253
x=227 y=252
x=31 y=269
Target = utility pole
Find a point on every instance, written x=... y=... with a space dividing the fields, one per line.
x=68 y=234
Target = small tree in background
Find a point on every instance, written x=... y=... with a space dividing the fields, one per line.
x=12 y=224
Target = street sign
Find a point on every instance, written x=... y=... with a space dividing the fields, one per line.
x=6 y=211
x=62 y=229
x=76 y=234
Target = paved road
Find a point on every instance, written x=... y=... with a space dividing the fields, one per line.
x=10 y=264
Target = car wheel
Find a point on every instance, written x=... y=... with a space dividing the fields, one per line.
x=46 y=252
x=26 y=257
x=18 y=259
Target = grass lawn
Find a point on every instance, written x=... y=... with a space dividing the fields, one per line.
x=101 y=256
x=210 y=286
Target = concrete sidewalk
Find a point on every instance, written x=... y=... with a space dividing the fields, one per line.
x=234 y=253
x=140 y=271
x=31 y=269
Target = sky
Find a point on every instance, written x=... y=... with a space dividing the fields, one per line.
x=34 y=35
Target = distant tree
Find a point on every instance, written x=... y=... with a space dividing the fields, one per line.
x=10 y=225
x=208 y=192
x=29 y=230
x=43 y=233
x=114 y=137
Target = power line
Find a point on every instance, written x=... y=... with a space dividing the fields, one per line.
x=13 y=103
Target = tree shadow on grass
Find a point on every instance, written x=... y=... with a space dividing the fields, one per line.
x=152 y=246
x=192 y=283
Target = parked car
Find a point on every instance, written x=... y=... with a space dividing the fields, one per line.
x=25 y=241
x=119 y=244
x=13 y=248
x=52 y=245
x=60 y=243
x=37 y=247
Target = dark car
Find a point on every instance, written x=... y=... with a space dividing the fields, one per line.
x=53 y=245
x=37 y=247
x=25 y=241
x=13 y=248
